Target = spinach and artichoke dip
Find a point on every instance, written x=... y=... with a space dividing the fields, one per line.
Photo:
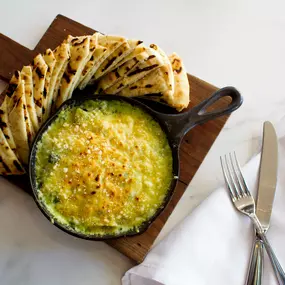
x=103 y=167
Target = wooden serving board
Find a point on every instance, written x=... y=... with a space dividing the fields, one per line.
x=194 y=147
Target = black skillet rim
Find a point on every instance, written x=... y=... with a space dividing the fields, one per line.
x=32 y=176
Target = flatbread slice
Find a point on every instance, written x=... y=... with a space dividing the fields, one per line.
x=92 y=46
x=13 y=84
x=27 y=76
x=181 y=84
x=140 y=48
x=4 y=125
x=79 y=51
x=29 y=125
x=112 y=77
x=114 y=58
x=96 y=56
x=39 y=74
x=18 y=125
x=167 y=74
x=111 y=43
x=9 y=163
x=19 y=94
x=157 y=83
x=62 y=55
x=108 y=40
x=153 y=83
x=153 y=62
x=50 y=61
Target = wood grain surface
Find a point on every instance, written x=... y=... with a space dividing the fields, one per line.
x=194 y=147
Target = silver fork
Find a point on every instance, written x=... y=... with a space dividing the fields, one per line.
x=244 y=202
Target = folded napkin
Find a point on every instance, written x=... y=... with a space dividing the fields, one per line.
x=213 y=244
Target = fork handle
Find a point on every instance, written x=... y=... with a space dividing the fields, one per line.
x=274 y=261
x=279 y=272
x=255 y=272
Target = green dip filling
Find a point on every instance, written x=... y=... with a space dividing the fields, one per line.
x=104 y=167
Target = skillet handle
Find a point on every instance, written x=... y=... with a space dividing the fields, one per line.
x=179 y=125
x=199 y=115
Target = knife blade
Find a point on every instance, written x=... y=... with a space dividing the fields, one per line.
x=267 y=175
x=265 y=197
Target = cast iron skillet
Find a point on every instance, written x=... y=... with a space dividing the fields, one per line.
x=174 y=125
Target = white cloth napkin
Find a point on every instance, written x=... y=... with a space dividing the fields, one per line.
x=213 y=244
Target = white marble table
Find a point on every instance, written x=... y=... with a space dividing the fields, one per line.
x=239 y=43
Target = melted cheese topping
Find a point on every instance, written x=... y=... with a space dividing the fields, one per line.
x=103 y=168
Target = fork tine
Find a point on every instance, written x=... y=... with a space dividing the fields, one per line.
x=240 y=177
x=236 y=175
x=232 y=176
x=227 y=180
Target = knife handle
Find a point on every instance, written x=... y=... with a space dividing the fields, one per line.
x=279 y=272
x=255 y=272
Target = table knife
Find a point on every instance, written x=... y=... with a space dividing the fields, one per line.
x=265 y=198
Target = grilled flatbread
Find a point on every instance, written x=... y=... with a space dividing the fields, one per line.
x=62 y=54
x=140 y=48
x=181 y=84
x=114 y=58
x=27 y=76
x=108 y=40
x=157 y=83
x=111 y=43
x=96 y=56
x=18 y=125
x=153 y=83
x=29 y=125
x=19 y=93
x=4 y=125
x=13 y=84
x=79 y=51
x=50 y=61
x=140 y=70
x=92 y=46
x=167 y=74
x=10 y=92
x=39 y=74
x=9 y=163
x=112 y=77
